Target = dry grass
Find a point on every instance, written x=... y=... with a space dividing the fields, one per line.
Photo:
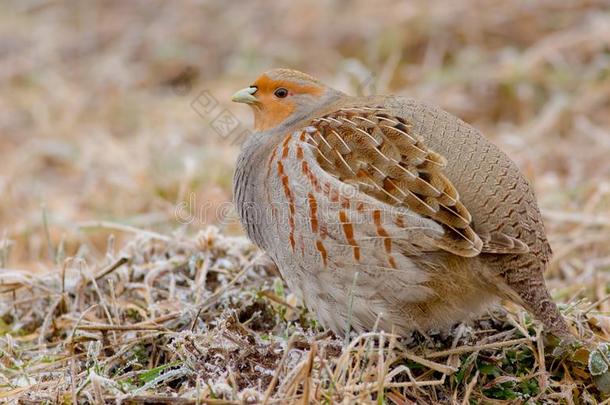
x=100 y=145
x=194 y=317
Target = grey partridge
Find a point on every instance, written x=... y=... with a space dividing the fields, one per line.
x=386 y=211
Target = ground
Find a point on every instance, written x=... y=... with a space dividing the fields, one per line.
x=123 y=272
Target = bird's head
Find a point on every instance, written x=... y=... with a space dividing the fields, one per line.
x=283 y=95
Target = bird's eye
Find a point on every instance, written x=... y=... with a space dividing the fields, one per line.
x=281 y=92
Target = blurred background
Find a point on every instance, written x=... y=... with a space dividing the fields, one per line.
x=115 y=115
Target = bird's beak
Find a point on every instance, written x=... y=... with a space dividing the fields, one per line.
x=245 y=96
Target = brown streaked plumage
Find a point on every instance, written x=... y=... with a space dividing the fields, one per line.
x=419 y=212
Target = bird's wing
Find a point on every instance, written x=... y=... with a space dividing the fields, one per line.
x=381 y=155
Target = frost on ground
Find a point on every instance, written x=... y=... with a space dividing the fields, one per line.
x=98 y=124
x=173 y=319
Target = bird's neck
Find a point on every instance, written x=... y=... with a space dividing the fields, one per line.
x=248 y=185
x=249 y=177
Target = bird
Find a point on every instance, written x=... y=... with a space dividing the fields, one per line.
x=386 y=212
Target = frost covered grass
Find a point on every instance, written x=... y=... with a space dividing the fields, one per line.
x=112 y=283
x=192 y=320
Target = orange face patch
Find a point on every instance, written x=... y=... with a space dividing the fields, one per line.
x=270 y=110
